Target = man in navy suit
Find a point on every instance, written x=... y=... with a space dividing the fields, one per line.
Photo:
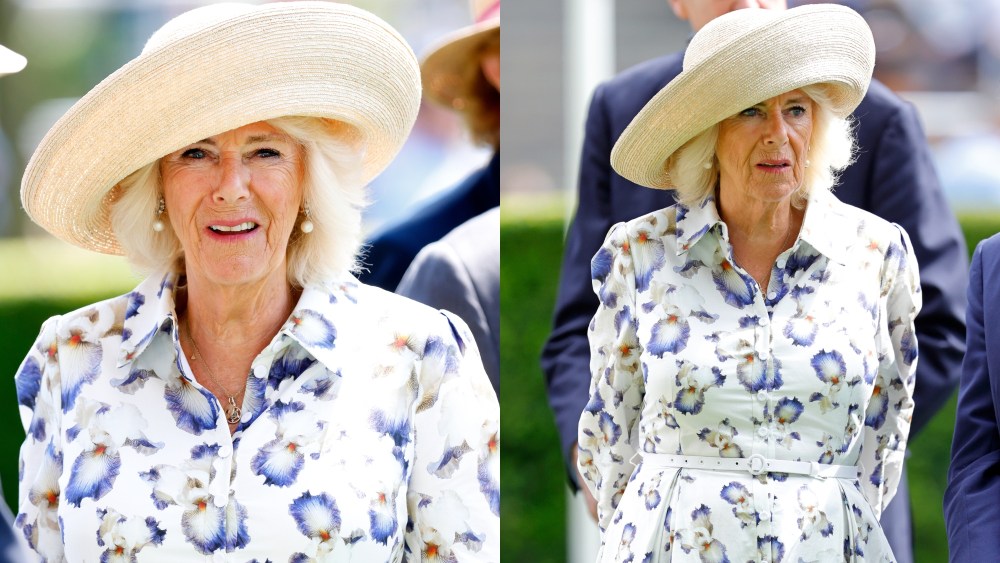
x=893 y=177
x=971 y=510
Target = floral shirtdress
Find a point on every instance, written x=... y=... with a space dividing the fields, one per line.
x=369 y=433
x=690 y=357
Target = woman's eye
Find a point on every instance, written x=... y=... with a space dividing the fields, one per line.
x=797 y=111
x=267 y=153
x=750 y=112
x=193 y=153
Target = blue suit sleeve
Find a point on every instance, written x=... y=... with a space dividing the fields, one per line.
x=566 y=355
x=904 y=189
x=970 y=502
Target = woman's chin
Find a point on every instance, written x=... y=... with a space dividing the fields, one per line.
x=234 y=270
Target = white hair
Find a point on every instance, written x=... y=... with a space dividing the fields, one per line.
x=332 y=191
x=831 y=149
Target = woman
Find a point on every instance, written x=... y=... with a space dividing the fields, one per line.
x=249 y=400
x=753 y=353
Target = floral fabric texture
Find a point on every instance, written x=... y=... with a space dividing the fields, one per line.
x=369 y=433
x=690 y=357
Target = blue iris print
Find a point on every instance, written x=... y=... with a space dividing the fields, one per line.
x=280 y=460
x=382 y=517
x=167 y=283
x=313 y=329
x=878 y=407
x=908 y=347
x=669 y=335
x=316 y=516
x=736 y=494
x=788 y=410
x=237 y=536
x=92 y=474
x=734 y=288
x=649 y=258
x=449 y=462
x=768 y=547
x=801 y=330
x=253 y=400
x=600 y=265
x=80 y=362
x=756 y=374
x=489 y=485
x=28 y=381
x=204 y=526
x=135 y=301
x=292 y=361
x=650 y=495
x=194 y=409
x=692 y=386
x=610 y=431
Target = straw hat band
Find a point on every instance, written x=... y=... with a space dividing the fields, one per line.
x=742 y=59
x=301 y=58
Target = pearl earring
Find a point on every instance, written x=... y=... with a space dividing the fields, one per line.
x=807 y=163
x=158 y=223
x=306 y=226
x=707 y=165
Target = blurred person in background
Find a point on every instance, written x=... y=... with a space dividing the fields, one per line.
x=754 y=351
x=892 y=176
x=971 y=511
x=464 y=74
x=250 y=398
x=461 y=272
x=11 y=550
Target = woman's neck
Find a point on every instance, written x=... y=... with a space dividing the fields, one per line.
x=237 y=317
x=759 y=232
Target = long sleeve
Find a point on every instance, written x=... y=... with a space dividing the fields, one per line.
x=905 y=190
x=607 y=429
x=454 y=489
x=890 y=410
x=970 y=501
x=40 y=464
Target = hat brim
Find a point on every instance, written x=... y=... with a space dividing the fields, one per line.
x=311 y=59
x=819 y=44
x=11 y=62
x=445 y=68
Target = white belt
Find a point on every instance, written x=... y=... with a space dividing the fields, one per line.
x=754 y=465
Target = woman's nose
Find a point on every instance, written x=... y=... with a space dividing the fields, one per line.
x=776 y=132
x=234 y=180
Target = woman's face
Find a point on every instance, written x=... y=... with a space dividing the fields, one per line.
x=233 y=200
x=762 y=150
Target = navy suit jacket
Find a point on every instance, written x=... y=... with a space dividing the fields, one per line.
x=972 y=499
x=893 y=177
x=391 y=251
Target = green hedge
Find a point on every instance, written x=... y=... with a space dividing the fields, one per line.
x=533 y=503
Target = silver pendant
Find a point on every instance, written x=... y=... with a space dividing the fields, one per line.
x=233 y=413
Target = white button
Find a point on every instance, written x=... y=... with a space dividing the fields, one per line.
x=764 y=320
x=772 y=295
x=762 y=432
x=762 y=395
x=763 y=561
x=225 y=450
x=221 y=500
x=765 y=515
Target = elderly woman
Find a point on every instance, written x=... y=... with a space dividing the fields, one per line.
x=753 y=354
x=250 y=400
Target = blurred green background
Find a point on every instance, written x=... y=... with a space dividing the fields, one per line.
x=42 y=277
x=532 y=471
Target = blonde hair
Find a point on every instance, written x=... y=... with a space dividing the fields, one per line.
x=331 y=188
x=831 y=149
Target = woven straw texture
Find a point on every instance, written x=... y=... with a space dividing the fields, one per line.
x=741 y=59
x=211 y=70
x=444 y=68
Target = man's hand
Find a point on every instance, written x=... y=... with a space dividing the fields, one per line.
x=584 y=490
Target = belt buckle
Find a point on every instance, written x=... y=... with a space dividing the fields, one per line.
x=756 y=464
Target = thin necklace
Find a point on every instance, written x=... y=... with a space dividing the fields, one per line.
x=233 y=412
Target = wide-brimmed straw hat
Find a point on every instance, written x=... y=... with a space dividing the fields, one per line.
x=10 y=62
x=211 y=70
x=741 y=59
x=445 y=68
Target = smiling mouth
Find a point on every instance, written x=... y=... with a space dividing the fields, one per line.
x=771 y=166
x=245 y=227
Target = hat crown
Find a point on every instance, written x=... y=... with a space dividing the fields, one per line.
x=193 y=21
x=723 y=30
